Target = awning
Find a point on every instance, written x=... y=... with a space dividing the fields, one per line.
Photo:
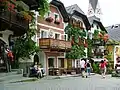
x=97 y=59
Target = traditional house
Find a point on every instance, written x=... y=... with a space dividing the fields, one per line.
x=99 y=38
x=52 y=38
x=78 y=17
x=12 y=24
x=113 y=45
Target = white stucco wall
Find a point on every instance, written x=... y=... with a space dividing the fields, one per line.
x=42 y=58
x=6 y=34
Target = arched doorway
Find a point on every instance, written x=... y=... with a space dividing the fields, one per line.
x=36 y=59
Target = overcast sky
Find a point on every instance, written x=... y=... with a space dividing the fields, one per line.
x=110 y=9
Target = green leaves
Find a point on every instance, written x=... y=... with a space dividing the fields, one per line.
x=77 y=51
x=43 y=7
x=24 y=46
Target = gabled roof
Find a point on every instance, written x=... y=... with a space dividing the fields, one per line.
x=93 y=4
x=94 y=19
x=70 y=9
x=75 y=10
x=114 y=32
x=61 y=8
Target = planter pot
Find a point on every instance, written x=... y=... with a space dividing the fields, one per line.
x=49 y=19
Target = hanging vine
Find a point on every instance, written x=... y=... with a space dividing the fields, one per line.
x=76 y=36
x=24 y=46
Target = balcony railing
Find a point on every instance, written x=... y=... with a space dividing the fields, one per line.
x=14 y=19
x=54 y=44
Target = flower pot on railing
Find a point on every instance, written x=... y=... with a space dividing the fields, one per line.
x=3 y=4
x=57 y=22
x=49 y=19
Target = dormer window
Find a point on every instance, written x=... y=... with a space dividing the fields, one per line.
x=116 y=26
x=48 y=14
x=57 y=18
x=92 y=26
x=97 y=27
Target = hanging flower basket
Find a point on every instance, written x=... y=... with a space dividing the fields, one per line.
x=49 y=19
x=57 y=22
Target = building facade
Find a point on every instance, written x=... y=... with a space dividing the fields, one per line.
x=94 y=17
x=51 y=37
x=12 y=24
x=78 y=17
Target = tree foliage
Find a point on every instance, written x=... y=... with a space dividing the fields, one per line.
x=24 y=45
x=77 y=51
x=43 y=7
x=90 y=44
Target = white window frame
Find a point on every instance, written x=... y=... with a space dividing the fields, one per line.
x=47 y=31
x=57 y=33
x=57 y=15
x=46 y=15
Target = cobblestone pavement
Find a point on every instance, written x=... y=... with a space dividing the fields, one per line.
x=95 y=82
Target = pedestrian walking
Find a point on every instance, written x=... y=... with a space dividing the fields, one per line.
x=82 y=66
x=102 y=66
x=105 y=61
x=88 y=68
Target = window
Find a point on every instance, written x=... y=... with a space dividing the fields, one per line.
x=97 y=27
x=51 y=62
x=43 y=34
x=92 y=26
x=56 y=16
x=48 y=14
x=57 y=36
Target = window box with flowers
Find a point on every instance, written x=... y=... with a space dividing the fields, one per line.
x=7 y=5
x=49 y=19
x=57 y=21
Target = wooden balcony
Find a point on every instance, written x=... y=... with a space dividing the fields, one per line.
x=33 y=4
x=55 y=44
x=14 y=22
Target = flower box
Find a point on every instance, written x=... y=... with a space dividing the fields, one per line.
x=49 y=19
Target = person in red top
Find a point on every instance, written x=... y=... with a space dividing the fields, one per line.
x=102 y=66
x=10 y=55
